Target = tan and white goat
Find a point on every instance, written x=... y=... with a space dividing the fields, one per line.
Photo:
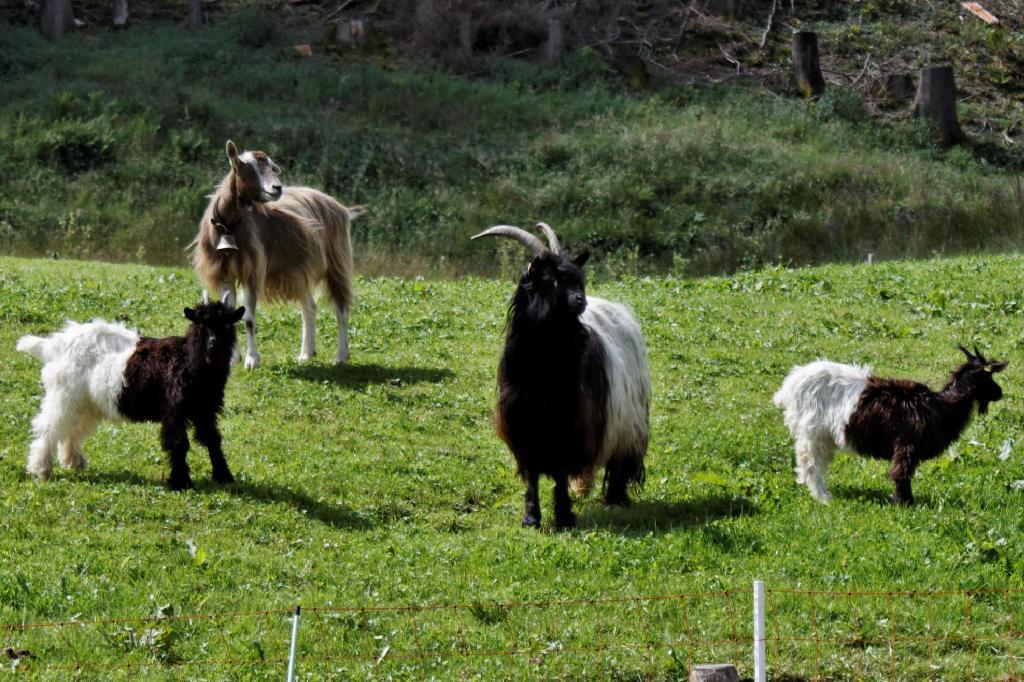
x=279 y=243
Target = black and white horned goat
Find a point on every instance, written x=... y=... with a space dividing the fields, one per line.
x=99 y=370
x=573 y=386
x=830 y=406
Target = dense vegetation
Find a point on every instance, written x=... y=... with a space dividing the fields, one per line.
x=110 y=140
x=382 y=483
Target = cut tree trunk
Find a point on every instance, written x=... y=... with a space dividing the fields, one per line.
x=554 y=48
x=120 y=12
x=806 y=65
x=353 y=33
x=936 y=102
x=714 y=673
x=194 y=19
x=466 y=34
x=898 y=88
x=55 y=18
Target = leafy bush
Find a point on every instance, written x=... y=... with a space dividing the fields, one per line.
x=841 y=103
x=78 y=146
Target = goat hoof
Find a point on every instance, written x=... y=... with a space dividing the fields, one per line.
x=902 y=502
x=617 y=501
x=341 y=359
x=305 y=357
x=566 y=522
x=223 y=477
x=180 y=484
x=43 y=474
x=531 y=522
x=252 y=361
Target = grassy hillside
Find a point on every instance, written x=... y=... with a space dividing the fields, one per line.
x=109 y=142
x=382 y=483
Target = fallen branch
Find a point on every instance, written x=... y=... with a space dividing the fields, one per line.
x=864 y=70
x=730 y=58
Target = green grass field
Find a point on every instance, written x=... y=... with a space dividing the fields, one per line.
x=382 y=483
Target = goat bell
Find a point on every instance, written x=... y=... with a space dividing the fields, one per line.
x=227 y=243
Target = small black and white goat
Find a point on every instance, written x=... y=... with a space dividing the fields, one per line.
x=573 y=386
x=99 y=370
x=830 y=406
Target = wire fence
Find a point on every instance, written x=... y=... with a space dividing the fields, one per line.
x=810 y=635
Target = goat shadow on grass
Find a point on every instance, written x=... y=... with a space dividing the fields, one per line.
x=360 y=376
x=643 y=517
x=264 y=493
x=879 y=496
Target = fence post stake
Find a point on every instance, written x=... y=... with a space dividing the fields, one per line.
x=760 y=670
x=295 y=641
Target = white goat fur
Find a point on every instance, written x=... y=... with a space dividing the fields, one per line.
x=818 y=399
x=629 y=384
x=83 y=374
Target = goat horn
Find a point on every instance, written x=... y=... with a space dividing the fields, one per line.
x=528 y=240
x=225 y=296
x=979 y=355
x=206 y=296
x=553 y=244
x=966 y=352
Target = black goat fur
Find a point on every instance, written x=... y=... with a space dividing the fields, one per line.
x=179 y=380
x=908 y=423
x=553 y=388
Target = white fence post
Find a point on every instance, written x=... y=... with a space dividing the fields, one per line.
x=760 y=670
x=295 y=641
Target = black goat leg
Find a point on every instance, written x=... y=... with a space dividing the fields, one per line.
x=209 y=436
x=903 y=496
x=174 y=439
x=564 y=518
x=531 y=519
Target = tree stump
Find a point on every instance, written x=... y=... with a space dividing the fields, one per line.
x=352 y=33
x=898 y=88
x=554 y=48
x=936 y=102
x=466 y=34
x=806 y=66
x=194 y=19
x=120 y=12
x=714 y=672
x=55 y=18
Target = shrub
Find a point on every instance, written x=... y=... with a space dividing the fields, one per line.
x=78 y=146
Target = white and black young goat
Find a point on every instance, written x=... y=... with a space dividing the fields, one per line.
x=99 y=370
x=573 y=386
x=829 y=406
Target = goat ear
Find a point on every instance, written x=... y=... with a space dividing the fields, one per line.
x=581 y=259
x=237 y=315
x=232 y=151
x=190 y=314
x=996 y=367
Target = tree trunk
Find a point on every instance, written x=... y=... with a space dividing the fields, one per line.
x=899 y=87
x=466 y=34
x=806 y=67
x=120 y=12
x=554 y=49
x=194 y=20
x=55 y=18
x=353 y=33
x=936 y=101
x=714 y=673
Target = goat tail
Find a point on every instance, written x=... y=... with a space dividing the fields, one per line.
x=339 y=256
x=33 y=345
